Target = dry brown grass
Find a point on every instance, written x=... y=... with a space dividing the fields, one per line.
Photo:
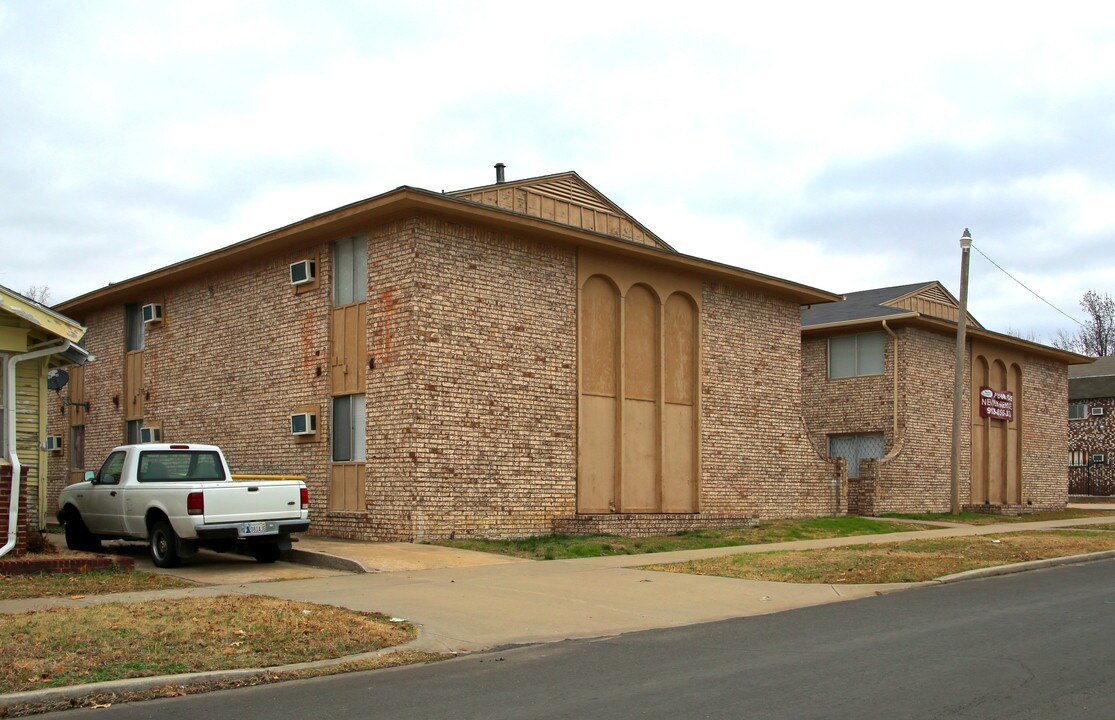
x=71 y=646
x=910 y=561
x=88 y=582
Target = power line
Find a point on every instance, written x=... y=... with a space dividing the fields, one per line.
x=1039 y=297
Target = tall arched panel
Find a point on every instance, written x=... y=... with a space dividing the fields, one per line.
x=679 y=428
x=639 y=488
x=997 y=443
x=981 y=376
x=599 y=347
x=1014 y=438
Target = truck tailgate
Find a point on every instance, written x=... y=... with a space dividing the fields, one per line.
x=248 y=501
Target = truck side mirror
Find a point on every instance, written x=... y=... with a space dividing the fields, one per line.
x=90 y=475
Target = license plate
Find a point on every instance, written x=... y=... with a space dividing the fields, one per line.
x=257 y=528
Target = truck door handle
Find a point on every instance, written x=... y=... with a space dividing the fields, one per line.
x=253 y=489
x=113 y=493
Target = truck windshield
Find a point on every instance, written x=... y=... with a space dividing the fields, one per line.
x=174 y=465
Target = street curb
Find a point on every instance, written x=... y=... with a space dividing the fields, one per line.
x=323 y=560
x=1024 y=566
x=147 y=683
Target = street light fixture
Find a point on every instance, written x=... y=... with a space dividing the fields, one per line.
x=958 y=374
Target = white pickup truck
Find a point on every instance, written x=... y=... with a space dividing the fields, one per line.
x=179 y=497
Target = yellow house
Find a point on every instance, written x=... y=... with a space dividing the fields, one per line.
x=33 y=340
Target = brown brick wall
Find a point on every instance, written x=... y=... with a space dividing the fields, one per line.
x=22 y=516
x=915 y=475
x=1045 y=448
x=1092 y=435
x=756 y=458
x=494 y=392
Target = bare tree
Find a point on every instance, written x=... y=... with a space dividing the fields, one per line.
x=1096 y=336
x=1028 y=335
x=38 y=293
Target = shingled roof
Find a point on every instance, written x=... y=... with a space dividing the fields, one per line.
x=925 y=298
x=1095 y=380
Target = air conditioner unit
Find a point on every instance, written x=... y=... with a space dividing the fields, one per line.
x=150 y=434
x=152 y=314
x=53 y=443
x=302 y=272
x=1099 y=459
x=1096 y=411
x=303 y=423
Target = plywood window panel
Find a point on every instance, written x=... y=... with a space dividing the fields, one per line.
x=77 y=395
x=133 y=386
x=349 y=349
x=346 y=487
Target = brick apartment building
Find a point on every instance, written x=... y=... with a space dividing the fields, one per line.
x=507 y=360
x=1092 y=428
x=877 y=382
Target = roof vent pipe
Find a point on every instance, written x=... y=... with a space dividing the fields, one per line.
x=499 y=173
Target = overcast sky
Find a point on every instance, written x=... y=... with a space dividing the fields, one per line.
x=840 y=145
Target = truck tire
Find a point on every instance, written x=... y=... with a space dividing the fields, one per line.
x=78 y=536
x=266 y=552
x=164 y=545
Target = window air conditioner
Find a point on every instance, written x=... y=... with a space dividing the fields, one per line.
x=150 y=434
x=1097 y=411
x=53 y=443
x=302 y=272
x=1099 y=459
x=303 y=423
x=152 y=314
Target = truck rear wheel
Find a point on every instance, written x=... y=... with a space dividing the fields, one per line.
x=164 y=545
x=266 y=552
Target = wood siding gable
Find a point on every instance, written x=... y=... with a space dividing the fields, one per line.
x=565 y=198
x=932 y=300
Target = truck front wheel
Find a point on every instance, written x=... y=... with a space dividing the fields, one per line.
x=164 y=545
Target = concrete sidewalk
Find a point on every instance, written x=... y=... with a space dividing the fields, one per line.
x=464 y=601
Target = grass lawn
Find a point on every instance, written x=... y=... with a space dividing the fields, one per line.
x=970 y=518
x=71 y=646
x=91 y=582
x=909 y=561
x=559 y=547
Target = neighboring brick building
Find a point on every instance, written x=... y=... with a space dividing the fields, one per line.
x=1092 y=428
x=500 y=361
x=877 y=380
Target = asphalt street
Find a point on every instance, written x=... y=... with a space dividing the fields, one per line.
x=1033 y=645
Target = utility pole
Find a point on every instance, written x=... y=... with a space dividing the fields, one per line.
x=958 y=376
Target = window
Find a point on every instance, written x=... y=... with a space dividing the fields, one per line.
x=1078 y=458
x=852 y=355
x=132 y=429
x=77 y=448
x=350 y=270
x=349 y=439
x=179 y=465
x=856 y=448
x=133 y=326
x=1078 y=411
x=1099 y=458
x=109 y=473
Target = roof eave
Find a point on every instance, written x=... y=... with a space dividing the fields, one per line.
x=404 y=201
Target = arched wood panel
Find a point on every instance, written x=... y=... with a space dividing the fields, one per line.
x=679 y=442
x=996 y=461
x=639 y=488
x=599 y=344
